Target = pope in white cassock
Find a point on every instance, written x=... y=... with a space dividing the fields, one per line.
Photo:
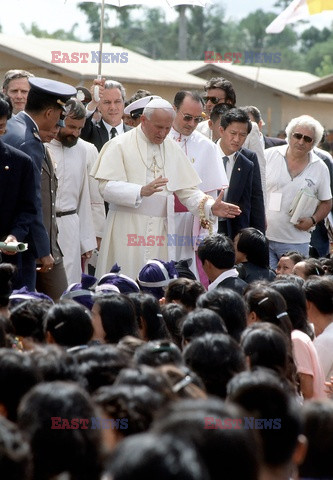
x=72 y=157
x=205 y=158
x=138 y=173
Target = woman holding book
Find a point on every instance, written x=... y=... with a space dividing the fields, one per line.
x=294 y=173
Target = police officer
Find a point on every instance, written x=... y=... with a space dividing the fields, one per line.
x=45 y=105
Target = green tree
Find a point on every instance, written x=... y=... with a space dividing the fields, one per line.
x=59 y=34
x=316 y=54
x=326 y=66
x=311 y=36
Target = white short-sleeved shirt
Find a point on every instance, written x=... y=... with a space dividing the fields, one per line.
x=315 y=177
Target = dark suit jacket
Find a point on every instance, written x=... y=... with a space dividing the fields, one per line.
x=245 y=191
x=257 y=214
x=17 y=193
x=23 y=134
x=234 y=283
x=96 y=133
x=273 y=141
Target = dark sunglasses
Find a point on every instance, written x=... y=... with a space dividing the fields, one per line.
x=189 y=118
x=306 y=138
x=214 y=100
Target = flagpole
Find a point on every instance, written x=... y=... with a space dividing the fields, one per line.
x=101 y=39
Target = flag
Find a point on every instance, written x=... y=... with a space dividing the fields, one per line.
x=298 y=10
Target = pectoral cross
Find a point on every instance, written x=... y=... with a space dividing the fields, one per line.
x=153 y=167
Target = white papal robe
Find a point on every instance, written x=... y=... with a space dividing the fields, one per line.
x=205 y=158
x=142 y=228
x=76 y=232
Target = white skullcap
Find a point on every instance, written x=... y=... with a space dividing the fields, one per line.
x=140 y=104
x=160 y=103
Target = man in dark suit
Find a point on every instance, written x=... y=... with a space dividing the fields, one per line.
x=111 y=107
x=255 y=116
x=17 y=194
x=44 y=107
x=217 y=255
x=243 y=173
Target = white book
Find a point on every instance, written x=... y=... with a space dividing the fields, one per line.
x=304 y=205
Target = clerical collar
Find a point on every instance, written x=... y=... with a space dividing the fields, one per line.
x=179 y=137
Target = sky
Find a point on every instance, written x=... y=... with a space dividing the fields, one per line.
x=52 y=15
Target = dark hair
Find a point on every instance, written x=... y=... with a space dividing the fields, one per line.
x=118 y=317
x=229 y=305
x=193 y=421
x=312 y=266
x=216 y=358
x=99 y=365
x=15 y=455
x=17 y=375
x=319 y=291
x=6 y=108
x=154 y=456
x=76 y=109
x=185 y=291
x=151 y=377
x=261 y=393
x=254 y=111
x=266 y=346
x=78 y=450
x=294 y=256
x=253 y=243
x=182 y=94
x=173 y=314
x=296 y=304
x=7 y=271
x=219 y=250
x=269 y=306
x=158 y=353
x=327 y=264
x=149 y=316
x=69 y=323
x=225 y=85
x=27 y=318
x=218 y=110
x=131 y=407
x=318 y=429
x=236 y=115
x=54 y=363
x=201 y=321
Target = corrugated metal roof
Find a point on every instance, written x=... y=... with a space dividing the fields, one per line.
x=283 y=81
x=137 y=67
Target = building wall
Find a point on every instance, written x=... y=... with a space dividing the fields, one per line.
x=321 y=111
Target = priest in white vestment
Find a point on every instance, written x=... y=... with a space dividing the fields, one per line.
x=72 y=158
x=139 y=172
x=205 y=158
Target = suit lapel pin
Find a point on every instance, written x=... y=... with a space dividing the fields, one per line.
x=6 y=167
x=238 y=169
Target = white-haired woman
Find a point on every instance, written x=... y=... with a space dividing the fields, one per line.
x=290 y=169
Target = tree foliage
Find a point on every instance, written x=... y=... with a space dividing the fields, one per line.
x=149 y=32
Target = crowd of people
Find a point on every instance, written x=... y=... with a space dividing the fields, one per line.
x=172 y=314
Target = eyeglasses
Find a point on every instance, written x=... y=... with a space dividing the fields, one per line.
x=189 y=118
x=306 y=138
x=214 y=100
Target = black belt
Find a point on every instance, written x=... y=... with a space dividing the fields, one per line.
x=63 y=214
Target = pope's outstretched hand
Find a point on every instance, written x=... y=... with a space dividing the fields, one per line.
x=223 y=209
